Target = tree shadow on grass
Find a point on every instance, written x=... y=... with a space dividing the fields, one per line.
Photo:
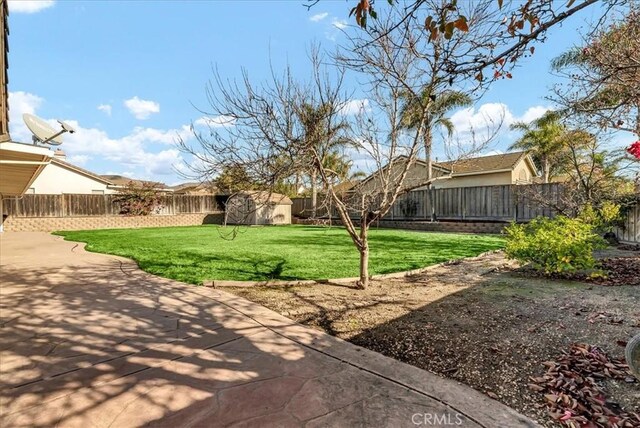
x=249 y=268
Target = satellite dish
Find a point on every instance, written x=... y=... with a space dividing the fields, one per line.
x=43 y=133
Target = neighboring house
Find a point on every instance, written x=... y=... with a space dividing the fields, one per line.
x=507 y=168
x=194 y=189
x=62 y=177
x=119 y=182
x=493 y=170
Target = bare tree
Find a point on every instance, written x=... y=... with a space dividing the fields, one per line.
x=272 y=136
x=508 y=31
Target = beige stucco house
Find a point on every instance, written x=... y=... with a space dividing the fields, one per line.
x=493 y=170
x=501 y=169
x=62 y=177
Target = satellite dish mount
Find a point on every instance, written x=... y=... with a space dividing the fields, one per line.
x=43 y=133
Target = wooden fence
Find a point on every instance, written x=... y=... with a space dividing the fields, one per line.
x=630 y=231
x=482 y=203
x=72 y=205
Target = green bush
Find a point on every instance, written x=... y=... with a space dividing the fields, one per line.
x=555 y=245
x=603 y=219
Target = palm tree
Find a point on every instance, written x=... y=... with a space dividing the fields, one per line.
x=429 y=111
x=337 y=166
x=544 y=138
x=321 y=136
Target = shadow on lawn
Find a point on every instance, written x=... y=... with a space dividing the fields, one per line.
x=254 y=268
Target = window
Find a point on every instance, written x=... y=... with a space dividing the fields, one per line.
x=30 y=191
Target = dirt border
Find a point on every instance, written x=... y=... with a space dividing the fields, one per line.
x=215 y=283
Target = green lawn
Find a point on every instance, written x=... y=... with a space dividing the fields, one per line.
x=199 y=253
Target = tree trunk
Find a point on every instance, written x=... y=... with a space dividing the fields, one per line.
x=314 y=194
x=363 y=283
x=545 y=169
x=297 y=183
x=427 y=151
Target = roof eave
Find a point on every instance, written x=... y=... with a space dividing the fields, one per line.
x=491 y=171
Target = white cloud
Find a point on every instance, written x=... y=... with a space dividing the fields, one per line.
x=355 y=106
x=78 y=159
x=339 y=23
x=216 y=121
x=134 y=150
x=487 y=115
x=19 y=103
x=29 y=6
x=141 y=109
x=319 y=17
x=533 y=113
x=105 y=108
x=492 y=115
x=137 y=151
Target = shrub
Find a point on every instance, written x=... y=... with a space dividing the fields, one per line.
x=139 y=199
x=555 y=245
x=603 y=219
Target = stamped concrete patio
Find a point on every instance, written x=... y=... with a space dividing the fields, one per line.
x=90 y=340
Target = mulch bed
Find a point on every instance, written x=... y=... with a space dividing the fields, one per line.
x=617 y=271
x=620 y=271
x=485 y=323
x=573 y=392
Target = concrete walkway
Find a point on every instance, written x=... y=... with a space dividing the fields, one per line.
x=90 y=340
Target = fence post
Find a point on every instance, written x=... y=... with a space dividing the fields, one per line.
x=463 y=202
x=516 y=200
x=63 y=206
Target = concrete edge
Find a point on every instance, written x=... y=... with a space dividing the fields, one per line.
x=473 y=404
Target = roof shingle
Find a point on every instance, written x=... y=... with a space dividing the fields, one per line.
x=499 y=162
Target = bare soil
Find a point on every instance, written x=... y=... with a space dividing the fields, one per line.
x=480 y=321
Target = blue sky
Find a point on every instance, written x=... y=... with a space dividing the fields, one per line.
x=127 y=74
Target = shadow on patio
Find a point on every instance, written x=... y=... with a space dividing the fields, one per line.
x=91 y=340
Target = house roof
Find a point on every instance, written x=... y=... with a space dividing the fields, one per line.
x=472 y=166
x=484 y=164
x=345 y=186
x=119 y=180
x=399 y=159
x=82 y=171
x=193 y=187
x=264 y=197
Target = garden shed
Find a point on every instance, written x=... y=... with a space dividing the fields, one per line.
x=258 y=207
